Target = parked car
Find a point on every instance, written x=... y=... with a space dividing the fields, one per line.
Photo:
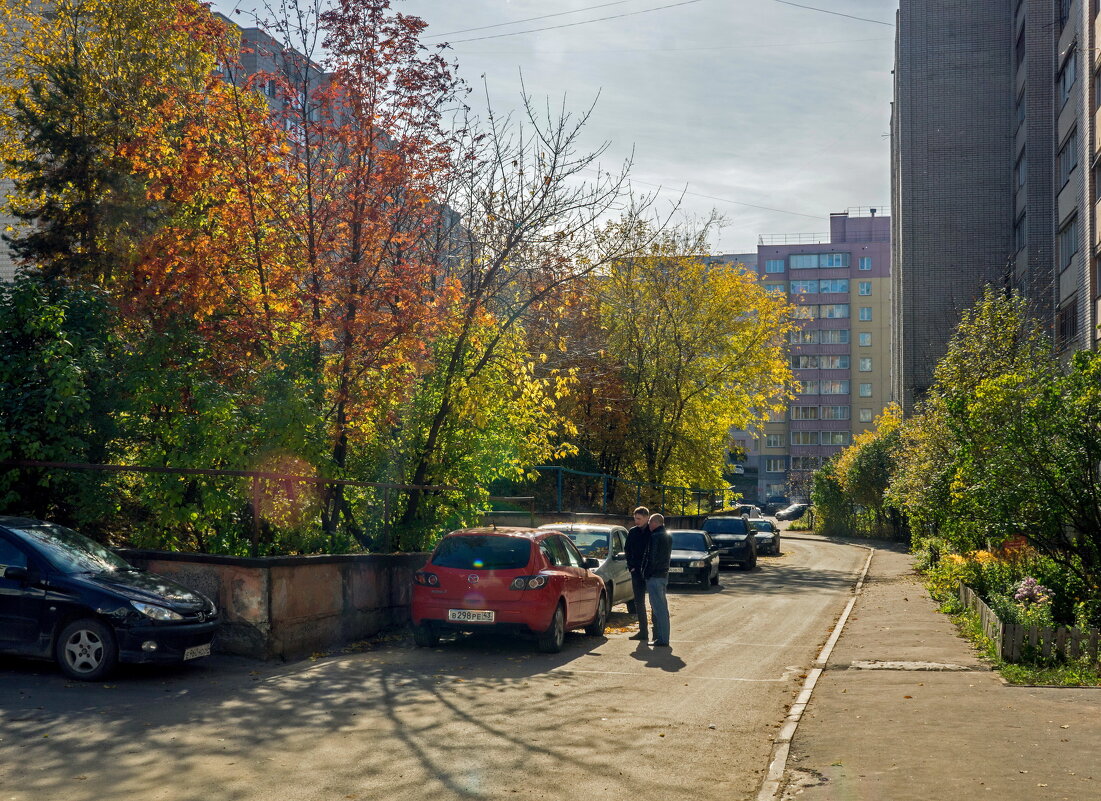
x=65 y=596
x=737 y=469
x=520 y=580
x=695 y=558
x=732 y=535
x=605 y=544
x=774 y=503
x=793 y=512
x=767 y=536
x=748 y=510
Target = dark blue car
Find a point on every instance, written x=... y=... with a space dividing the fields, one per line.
x=66 y=597
x=735 y=540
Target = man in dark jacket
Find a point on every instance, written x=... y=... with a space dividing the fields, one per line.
x=636 y=548
x=656 y=571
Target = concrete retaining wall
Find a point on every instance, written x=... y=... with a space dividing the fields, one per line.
x=289 y=607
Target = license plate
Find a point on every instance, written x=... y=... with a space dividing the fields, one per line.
x=471 y=615
x=676 y=570
x=196 y=651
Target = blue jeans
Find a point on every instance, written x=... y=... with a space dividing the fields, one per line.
x=659 y=607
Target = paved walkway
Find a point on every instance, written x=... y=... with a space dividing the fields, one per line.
x=906 y=710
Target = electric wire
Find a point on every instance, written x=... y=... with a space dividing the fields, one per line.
x=835 y=13
x=528 y=19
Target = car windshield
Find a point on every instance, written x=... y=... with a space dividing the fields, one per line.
x=718 y=526
x=70 y=552
x=590 y=543
x=482 y=552
x=688 y=541
x=762 y=525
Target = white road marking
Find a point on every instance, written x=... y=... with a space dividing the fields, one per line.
x=678 y=675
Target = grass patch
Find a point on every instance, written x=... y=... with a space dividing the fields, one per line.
x=1080 y=673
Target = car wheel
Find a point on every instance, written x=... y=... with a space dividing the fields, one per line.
x=600 y=622
x=705 y=580
x=776 y=550
x=426 y=636
x=715 y=578
x=751 y=563
x=551 y=640
x=86 y=650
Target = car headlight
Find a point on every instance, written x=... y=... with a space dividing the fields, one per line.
x=156 y=612
x=697 y=563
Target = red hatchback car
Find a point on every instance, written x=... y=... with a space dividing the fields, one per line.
x=509 y=579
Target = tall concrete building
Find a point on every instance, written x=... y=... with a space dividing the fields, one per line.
x=992 y=135
x=840 y=284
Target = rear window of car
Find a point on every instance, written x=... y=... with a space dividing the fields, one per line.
x=590 y=543
x=486 y=552
x=689 y=541
x=725 y=525
x=762 y=525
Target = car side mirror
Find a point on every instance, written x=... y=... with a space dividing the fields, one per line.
x=620 y=557
x=591 y=563
x=16 y=573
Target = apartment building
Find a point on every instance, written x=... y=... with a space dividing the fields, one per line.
x=993 y=137
x=840 y=285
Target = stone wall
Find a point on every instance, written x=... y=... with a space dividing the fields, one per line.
x=290 y=607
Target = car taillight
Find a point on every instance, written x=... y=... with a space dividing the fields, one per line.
x=426 y=579
x=527 y=582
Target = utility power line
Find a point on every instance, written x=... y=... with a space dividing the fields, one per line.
x=835 y=13
x=528 y=19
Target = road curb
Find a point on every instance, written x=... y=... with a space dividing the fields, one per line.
x=774 y=779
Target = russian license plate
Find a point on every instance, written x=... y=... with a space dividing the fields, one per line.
x=471 y=615
x=676 y=570
x=196 y=651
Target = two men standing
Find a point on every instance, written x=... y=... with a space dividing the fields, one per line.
x=648 y=549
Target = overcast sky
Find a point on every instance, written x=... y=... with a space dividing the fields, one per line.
x=751 y=102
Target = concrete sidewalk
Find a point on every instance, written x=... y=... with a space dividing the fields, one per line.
x=906 y=710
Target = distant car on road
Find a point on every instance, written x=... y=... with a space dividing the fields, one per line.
x=695 y=558
x=774 y=503
x=520 y=580
x=66 y=596
x=735 y=540
x=767 y=536
x=793 y=512
x=606 y=544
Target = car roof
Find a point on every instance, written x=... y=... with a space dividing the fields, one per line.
x=17 y=522
x=500 y=531
x=687 y=531
x=565 y=528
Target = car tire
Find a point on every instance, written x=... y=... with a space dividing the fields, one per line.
x=551 y=640
x=705 y=580
x=426 y=636
x=86 y=650
x=715 y=578
x=600 y=622
x=751 y=563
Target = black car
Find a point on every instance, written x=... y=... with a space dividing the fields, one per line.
x=734 y=539
x=65 y=596
x=774 y=503
x=793 y=512
x=767 y=535
x=695 y=558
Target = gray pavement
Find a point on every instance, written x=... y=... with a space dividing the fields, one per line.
x=906 y=710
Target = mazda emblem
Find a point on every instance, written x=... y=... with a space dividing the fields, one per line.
x=472 y=578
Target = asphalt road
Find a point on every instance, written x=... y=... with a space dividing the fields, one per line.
x=480 y=717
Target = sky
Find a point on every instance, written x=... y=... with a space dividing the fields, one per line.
x=772 y=114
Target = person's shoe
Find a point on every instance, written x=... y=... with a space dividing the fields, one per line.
x=657 y=644
x=640 y=636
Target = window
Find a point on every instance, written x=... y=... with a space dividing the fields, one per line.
x=803 y=287
x=838 y=336
x=777 y=289
x=11 y=556
x=774 y=265
x=1020 y=109
x=1020 y=171
x=1067 y=160
x=806 y=387
x=835 y=388
x=804 y=437
x=835 y=412
x=865 y=415
x=1020 y=49
x=774 y=441
x=775 y=464
x=806 y=311
x=804 y=362
x=1066 y=323
x=835 y=437
x=866 y=364
x=865 y=390
x=1066 y=243
x=802 y=463
x=1020 y=233
x=804 y=337
x=834 y=260
x=865 y=262
x=803 y=261
x=866 y=313
x=864 y=288
x=865 y=339
x=778 y=417
x=834 y=311
x=834 y=285
x=833 y=362
x=804 y=412
x=1064 y=12
x=1068 y=74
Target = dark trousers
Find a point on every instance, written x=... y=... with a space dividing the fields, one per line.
x=638 y=584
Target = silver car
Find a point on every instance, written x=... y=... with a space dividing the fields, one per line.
x=605 y=543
